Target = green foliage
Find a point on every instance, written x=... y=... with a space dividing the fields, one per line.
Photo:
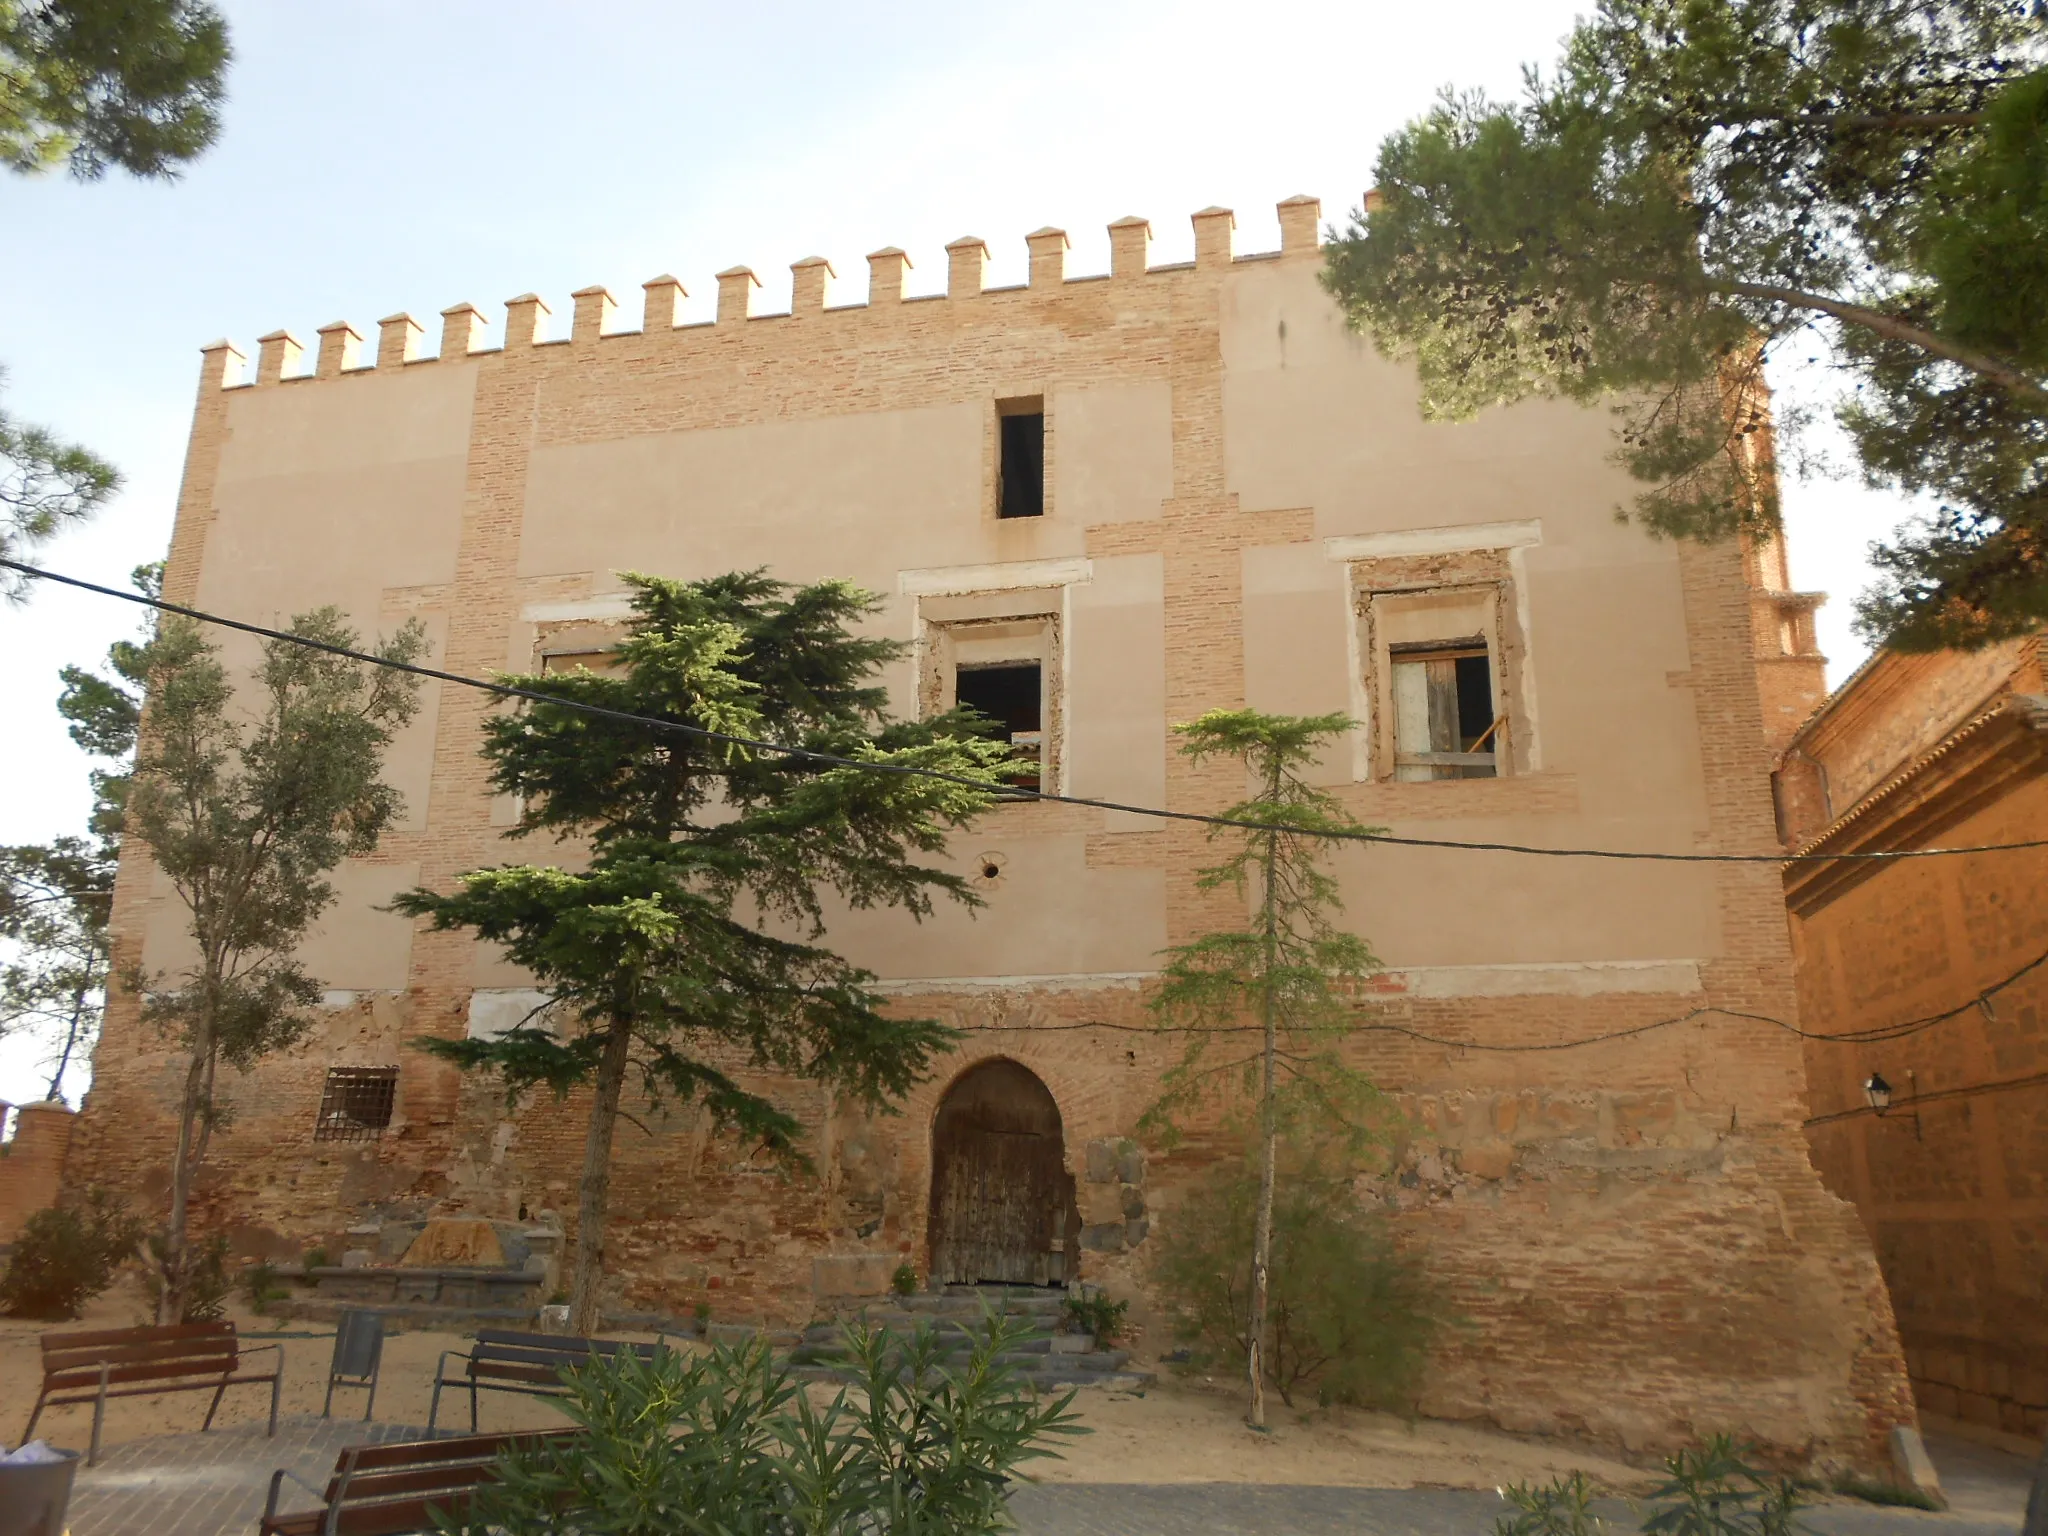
x=1700 y=183
x=316 y=1258
x=904 y=1281
x=1096 y=1315
x=55 y=901
x=1561 y=1507
x=1712 y=1491
x=260 y=1283
x=1289 y=963
x=1352 y=1317
x=134 y=84
x=194 y=1290
x=46 y=485
x=67 y=1255
x=1873 y=1491
x=725 y=1441
x=685 y=942
x=246 y=797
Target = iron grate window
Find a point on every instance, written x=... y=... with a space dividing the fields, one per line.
x=356 y=1104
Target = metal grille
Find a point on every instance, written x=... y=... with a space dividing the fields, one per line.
x=356 y=1104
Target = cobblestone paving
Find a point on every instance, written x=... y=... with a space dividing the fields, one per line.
x=213 y=1485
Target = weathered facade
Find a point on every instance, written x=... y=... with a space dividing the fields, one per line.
x=1952 y=1179
x=1235 y=502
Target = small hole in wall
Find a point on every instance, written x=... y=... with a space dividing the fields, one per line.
x=990 y=871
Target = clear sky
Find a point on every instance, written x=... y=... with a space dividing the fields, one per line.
x=381 y=156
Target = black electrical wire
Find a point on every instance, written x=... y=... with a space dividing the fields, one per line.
x=806 y=754
x=1875 y=1035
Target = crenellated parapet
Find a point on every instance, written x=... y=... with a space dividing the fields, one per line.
x=341 y=353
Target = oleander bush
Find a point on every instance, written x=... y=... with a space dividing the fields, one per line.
x=729 y=1441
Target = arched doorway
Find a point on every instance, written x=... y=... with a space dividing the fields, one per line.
x=1002 y=1200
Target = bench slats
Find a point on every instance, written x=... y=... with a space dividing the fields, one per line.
x=144 y=1370
x=398 y=1518
x=138 y=1354
x=412 y=1453
x=117 y=1336
x=393 y=1488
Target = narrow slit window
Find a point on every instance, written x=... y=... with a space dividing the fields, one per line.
x=1444 y=722
x=356 y=1104
x=1010 y=693
x=1020 y=477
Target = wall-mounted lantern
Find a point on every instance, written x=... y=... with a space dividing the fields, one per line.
x=1879 y=1092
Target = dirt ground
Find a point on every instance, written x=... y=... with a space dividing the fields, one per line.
x=1171 y=1433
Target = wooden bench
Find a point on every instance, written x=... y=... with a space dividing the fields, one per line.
x=393 y=1489
x=529 y=1364
x=140 y=1362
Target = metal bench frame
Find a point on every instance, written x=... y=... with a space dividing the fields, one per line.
x=525 y=1364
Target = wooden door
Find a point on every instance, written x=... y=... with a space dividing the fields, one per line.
x=1000 y=1190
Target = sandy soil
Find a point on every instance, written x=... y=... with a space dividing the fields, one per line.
x=1171 y=1433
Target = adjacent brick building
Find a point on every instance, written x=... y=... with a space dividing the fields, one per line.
x=1952 y=1180
x=1107 y=504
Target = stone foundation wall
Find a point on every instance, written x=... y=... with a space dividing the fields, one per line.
x=1636 y=1250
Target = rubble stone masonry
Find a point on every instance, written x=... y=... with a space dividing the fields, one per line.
x=1631 y=1232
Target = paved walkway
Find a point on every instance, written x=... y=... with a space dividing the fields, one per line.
x=214 y=1484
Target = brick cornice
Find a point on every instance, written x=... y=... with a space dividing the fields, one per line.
x=1980 y=761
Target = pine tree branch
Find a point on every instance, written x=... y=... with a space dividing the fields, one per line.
x=2013 y=380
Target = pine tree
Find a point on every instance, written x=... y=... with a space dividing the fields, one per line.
x=1701 y=184
x=1290 y=969
x=687 y=940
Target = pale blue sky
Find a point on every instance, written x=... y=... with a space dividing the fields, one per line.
x=380 y=156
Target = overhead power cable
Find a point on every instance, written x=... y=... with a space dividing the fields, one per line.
x=910 y=770
x=1875 y=1035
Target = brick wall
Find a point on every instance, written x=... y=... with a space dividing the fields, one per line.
x=32 y=1164
x=1955 y=1194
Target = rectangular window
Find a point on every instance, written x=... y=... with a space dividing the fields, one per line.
x=356 y=1104
x=1012 y=694
x=1020 y=457
x=1444 y=724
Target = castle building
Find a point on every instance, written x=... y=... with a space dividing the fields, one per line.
x=1096 y=505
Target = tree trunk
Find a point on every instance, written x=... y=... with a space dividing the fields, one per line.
x=170 y=1299
x=70 y=1044
x=595 y=1190
x=1269 y=1136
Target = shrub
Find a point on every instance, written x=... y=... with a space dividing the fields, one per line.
x=316 y=1258
x=1712 y=1491
x=260 y=1281
x=1351 y=1316
x=726 y=1441
x=206 y=1284
x=1095 y=1314
x=66 y=1256
x=904 y=1281
x=1561 y=1508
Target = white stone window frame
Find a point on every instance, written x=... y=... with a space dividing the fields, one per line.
x=1028 y=602
x=1510 y=643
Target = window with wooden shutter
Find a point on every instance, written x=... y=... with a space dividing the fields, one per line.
x=1443 y=708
